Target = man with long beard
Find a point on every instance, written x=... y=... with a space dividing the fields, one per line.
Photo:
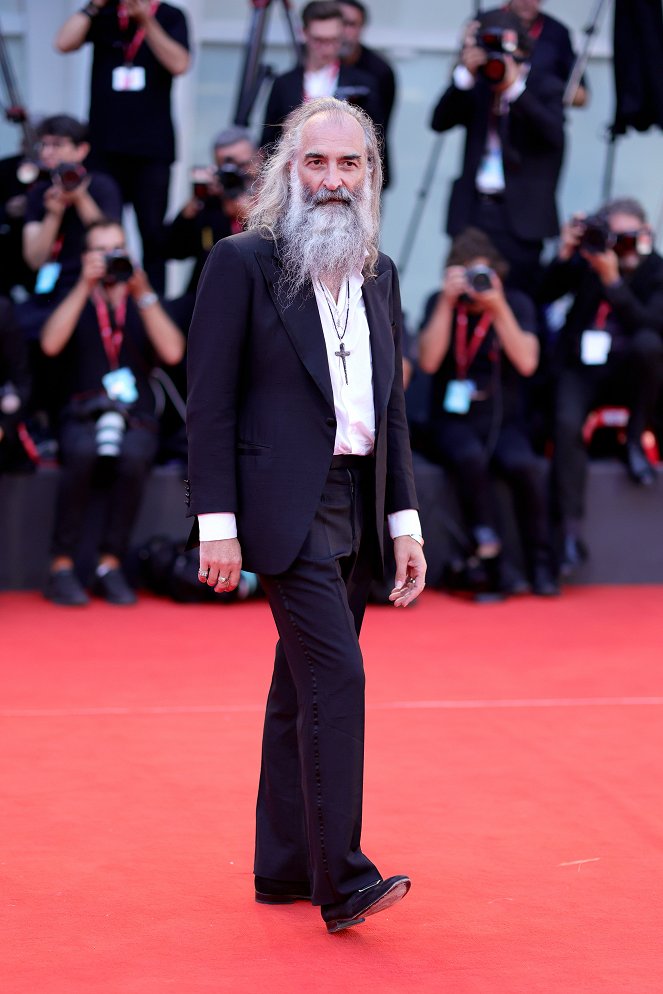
x=298 y=446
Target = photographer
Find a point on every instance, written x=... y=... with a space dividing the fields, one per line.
x=139 y=46
x=62 y=205
x=14 y=389
x=111 y=329
x=514 y=122
x=610 y=349
x=218 y=203
x=479 y=344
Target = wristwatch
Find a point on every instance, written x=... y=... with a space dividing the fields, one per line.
x=417 y=538
x=147 y=299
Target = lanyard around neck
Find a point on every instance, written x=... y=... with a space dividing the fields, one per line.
x=131 y=49
x=466 y=351
x=111 y=337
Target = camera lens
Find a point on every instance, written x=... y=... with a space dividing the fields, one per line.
x=109 y=432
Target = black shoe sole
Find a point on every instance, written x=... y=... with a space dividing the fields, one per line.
x=395 y=893
x=262 y=898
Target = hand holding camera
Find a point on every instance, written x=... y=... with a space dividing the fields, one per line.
x=108 y=268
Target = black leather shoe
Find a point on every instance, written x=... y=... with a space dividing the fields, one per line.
x=113 y=587
x=574 y=554
x=639 y=468
x=64 y=588
x=544 y=583
x=367 y=901
x=281 y=891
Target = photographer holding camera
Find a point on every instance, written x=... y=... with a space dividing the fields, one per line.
x=220 y=198
x=610 y=349
x=514 y=121
x=111 y=330
x=478 y=342
x=139 y=47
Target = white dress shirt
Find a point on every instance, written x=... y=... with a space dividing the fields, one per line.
x=353 y=401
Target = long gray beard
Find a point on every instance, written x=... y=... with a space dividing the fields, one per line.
x=323 y=242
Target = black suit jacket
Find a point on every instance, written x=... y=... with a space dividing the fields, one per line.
x=288 y=92
x=532 y=135
x=260 y=413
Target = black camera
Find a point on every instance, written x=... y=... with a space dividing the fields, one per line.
x=119 y=267
x=234 y=181
x=497 y=42
x=69 y=175
x=479 y=278
x=110 y=417
x=596 y=236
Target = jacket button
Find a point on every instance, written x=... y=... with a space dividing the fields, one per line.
x=331 y=422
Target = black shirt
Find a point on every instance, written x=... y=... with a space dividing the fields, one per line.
x=186 y=238
x=86 y=362
x=106 y=195
x=14 y=367
x=132 y=123
x=491 y=370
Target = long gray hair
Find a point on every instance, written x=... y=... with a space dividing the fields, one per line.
x=273 y=187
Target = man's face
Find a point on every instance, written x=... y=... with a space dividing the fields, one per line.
x=54 y=149
x=332 y=154
x=323 y=42
x=241 y=154
x=353 y=23
x=526 y=10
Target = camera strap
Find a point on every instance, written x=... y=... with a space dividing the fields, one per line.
x=111 y=337
x=466 y=351
x=131 y=49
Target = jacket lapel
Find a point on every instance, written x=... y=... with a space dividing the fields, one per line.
x=301 y=320
x=377 y=293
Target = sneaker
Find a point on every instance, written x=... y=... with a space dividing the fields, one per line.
x=113 y=587
x=65 y=588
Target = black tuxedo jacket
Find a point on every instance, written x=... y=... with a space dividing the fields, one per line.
x=288 y=92
x=532 y=136
x=260 y=412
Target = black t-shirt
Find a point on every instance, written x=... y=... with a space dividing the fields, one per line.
x=85 y=360
x=132 y=123
x=105 y=193
x=186 y=238
x=491 y=370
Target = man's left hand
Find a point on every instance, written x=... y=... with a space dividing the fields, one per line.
x=605 y=265
x=410 y=571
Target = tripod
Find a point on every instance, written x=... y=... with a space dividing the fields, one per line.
x=255 y=72
x=14 y=109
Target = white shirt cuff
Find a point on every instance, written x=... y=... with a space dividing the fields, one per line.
x=513 y=92
x=404 y=523
x=462 y=78
x=217 y=525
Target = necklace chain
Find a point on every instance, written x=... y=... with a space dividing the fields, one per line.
x=334 y=310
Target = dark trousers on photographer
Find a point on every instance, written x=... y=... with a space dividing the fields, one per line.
x=462 y=445
x=632 y=377
x=144 y=183
x=128 y=474
x=489 y=214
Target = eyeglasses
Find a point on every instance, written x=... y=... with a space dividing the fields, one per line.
x=53 y=143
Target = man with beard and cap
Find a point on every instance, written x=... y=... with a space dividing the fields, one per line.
x=298 y=447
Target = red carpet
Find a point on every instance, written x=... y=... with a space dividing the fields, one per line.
x=513 y=770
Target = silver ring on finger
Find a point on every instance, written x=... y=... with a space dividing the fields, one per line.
x=223 y=579
x=203 y=573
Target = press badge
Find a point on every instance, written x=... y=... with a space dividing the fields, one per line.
x=595 y=347
x=120 y=384
x=458 y=396
x=129 y=79
x=47 y=277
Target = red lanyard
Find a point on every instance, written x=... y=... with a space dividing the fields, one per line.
x=111 y=337
x=131 y=49
x=466 y=351
x=601 y=318
x=56 y=248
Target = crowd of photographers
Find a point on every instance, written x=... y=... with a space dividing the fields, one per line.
x=507 y=378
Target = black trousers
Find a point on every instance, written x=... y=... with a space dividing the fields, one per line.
x=309 y=809
x=633 y=378
x=143 y=183
x=127 y=475
x=490 y=215
x=460 y=443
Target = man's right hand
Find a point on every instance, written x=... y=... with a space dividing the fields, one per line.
x=454 y=284
x=93 y=269
x=220 y=564
x=471 y=55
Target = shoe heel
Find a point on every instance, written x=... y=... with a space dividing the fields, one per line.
x=274 y=899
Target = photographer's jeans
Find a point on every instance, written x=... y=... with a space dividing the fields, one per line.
x=127 y=475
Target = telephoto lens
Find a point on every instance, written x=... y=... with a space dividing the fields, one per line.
x=109 y=433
